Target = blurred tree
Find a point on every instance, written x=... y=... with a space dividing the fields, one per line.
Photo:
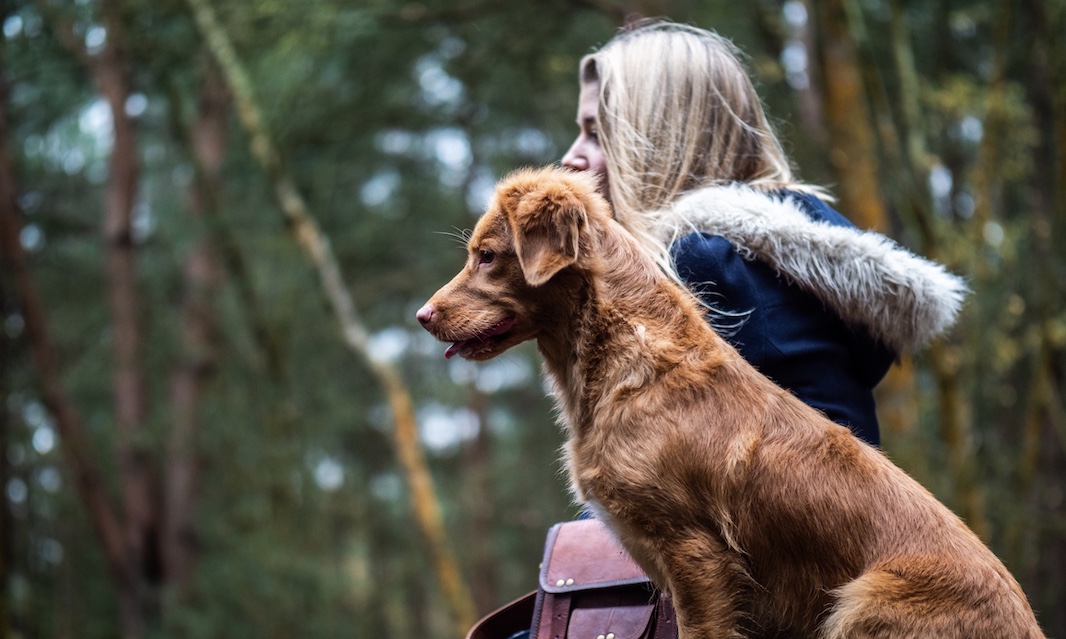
x=206 y=138
x=277 y=505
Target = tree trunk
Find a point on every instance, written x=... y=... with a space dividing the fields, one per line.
x=109 y=71
x=1044 y=427
x=852 y=151
x=479 y=507
x=6 y=529
x=198 y=328
x=137 y=482
x=87 y=478
x=316 y=246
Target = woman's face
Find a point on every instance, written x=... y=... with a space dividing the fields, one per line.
x=585 y=153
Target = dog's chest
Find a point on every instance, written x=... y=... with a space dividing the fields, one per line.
x=614 y=475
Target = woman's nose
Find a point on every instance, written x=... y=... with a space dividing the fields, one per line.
x=575 y=160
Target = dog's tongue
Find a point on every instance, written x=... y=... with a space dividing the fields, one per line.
x=454 y=348
x=498 y=328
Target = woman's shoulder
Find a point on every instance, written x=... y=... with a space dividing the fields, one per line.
x=723 y=276
x=705 y=251
x=813 y=206
x=700 y=246
x=902 y=299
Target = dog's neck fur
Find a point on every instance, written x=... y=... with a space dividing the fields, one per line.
x=618 y=299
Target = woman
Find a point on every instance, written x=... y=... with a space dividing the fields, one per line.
x=671 y=123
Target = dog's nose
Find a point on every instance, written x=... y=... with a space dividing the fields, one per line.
x=425 y=315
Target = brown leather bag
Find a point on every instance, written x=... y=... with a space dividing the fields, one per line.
x=589 y=589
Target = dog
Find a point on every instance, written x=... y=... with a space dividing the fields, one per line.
x=758 y=515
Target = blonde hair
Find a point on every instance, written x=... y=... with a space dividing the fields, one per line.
x=677 y=111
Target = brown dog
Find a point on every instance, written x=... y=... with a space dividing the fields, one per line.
x=760 y=516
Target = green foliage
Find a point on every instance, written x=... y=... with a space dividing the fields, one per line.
x=395 y=119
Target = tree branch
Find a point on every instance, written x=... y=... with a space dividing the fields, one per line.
x=317 y=248
x=108 y=69
x=88 y=480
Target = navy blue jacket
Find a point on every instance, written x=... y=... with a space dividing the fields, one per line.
x=787 y=333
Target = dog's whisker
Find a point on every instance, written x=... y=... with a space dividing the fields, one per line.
x=461 y=236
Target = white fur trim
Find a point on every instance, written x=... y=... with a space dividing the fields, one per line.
x=902 y=299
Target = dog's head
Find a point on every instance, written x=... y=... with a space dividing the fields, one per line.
x=534 y=231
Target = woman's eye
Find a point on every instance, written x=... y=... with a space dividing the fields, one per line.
x=486 y=257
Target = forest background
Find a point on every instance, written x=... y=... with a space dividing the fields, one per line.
x=218 y=415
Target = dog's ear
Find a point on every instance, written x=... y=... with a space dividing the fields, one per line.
x=546 y=222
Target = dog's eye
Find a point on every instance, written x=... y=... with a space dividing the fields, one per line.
x=486 y=257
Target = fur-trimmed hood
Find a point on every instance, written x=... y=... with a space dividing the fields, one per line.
x=902 y=299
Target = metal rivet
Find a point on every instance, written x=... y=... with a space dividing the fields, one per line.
x=610 y=635
x=569 y=582
x=601 y=636
x=562 y=583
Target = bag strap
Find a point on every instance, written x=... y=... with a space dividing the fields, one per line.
x=506 y=620
x=665 y=618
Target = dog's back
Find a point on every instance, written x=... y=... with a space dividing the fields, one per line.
x=756 y=512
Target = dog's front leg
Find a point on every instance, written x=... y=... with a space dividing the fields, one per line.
x=709 y=586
